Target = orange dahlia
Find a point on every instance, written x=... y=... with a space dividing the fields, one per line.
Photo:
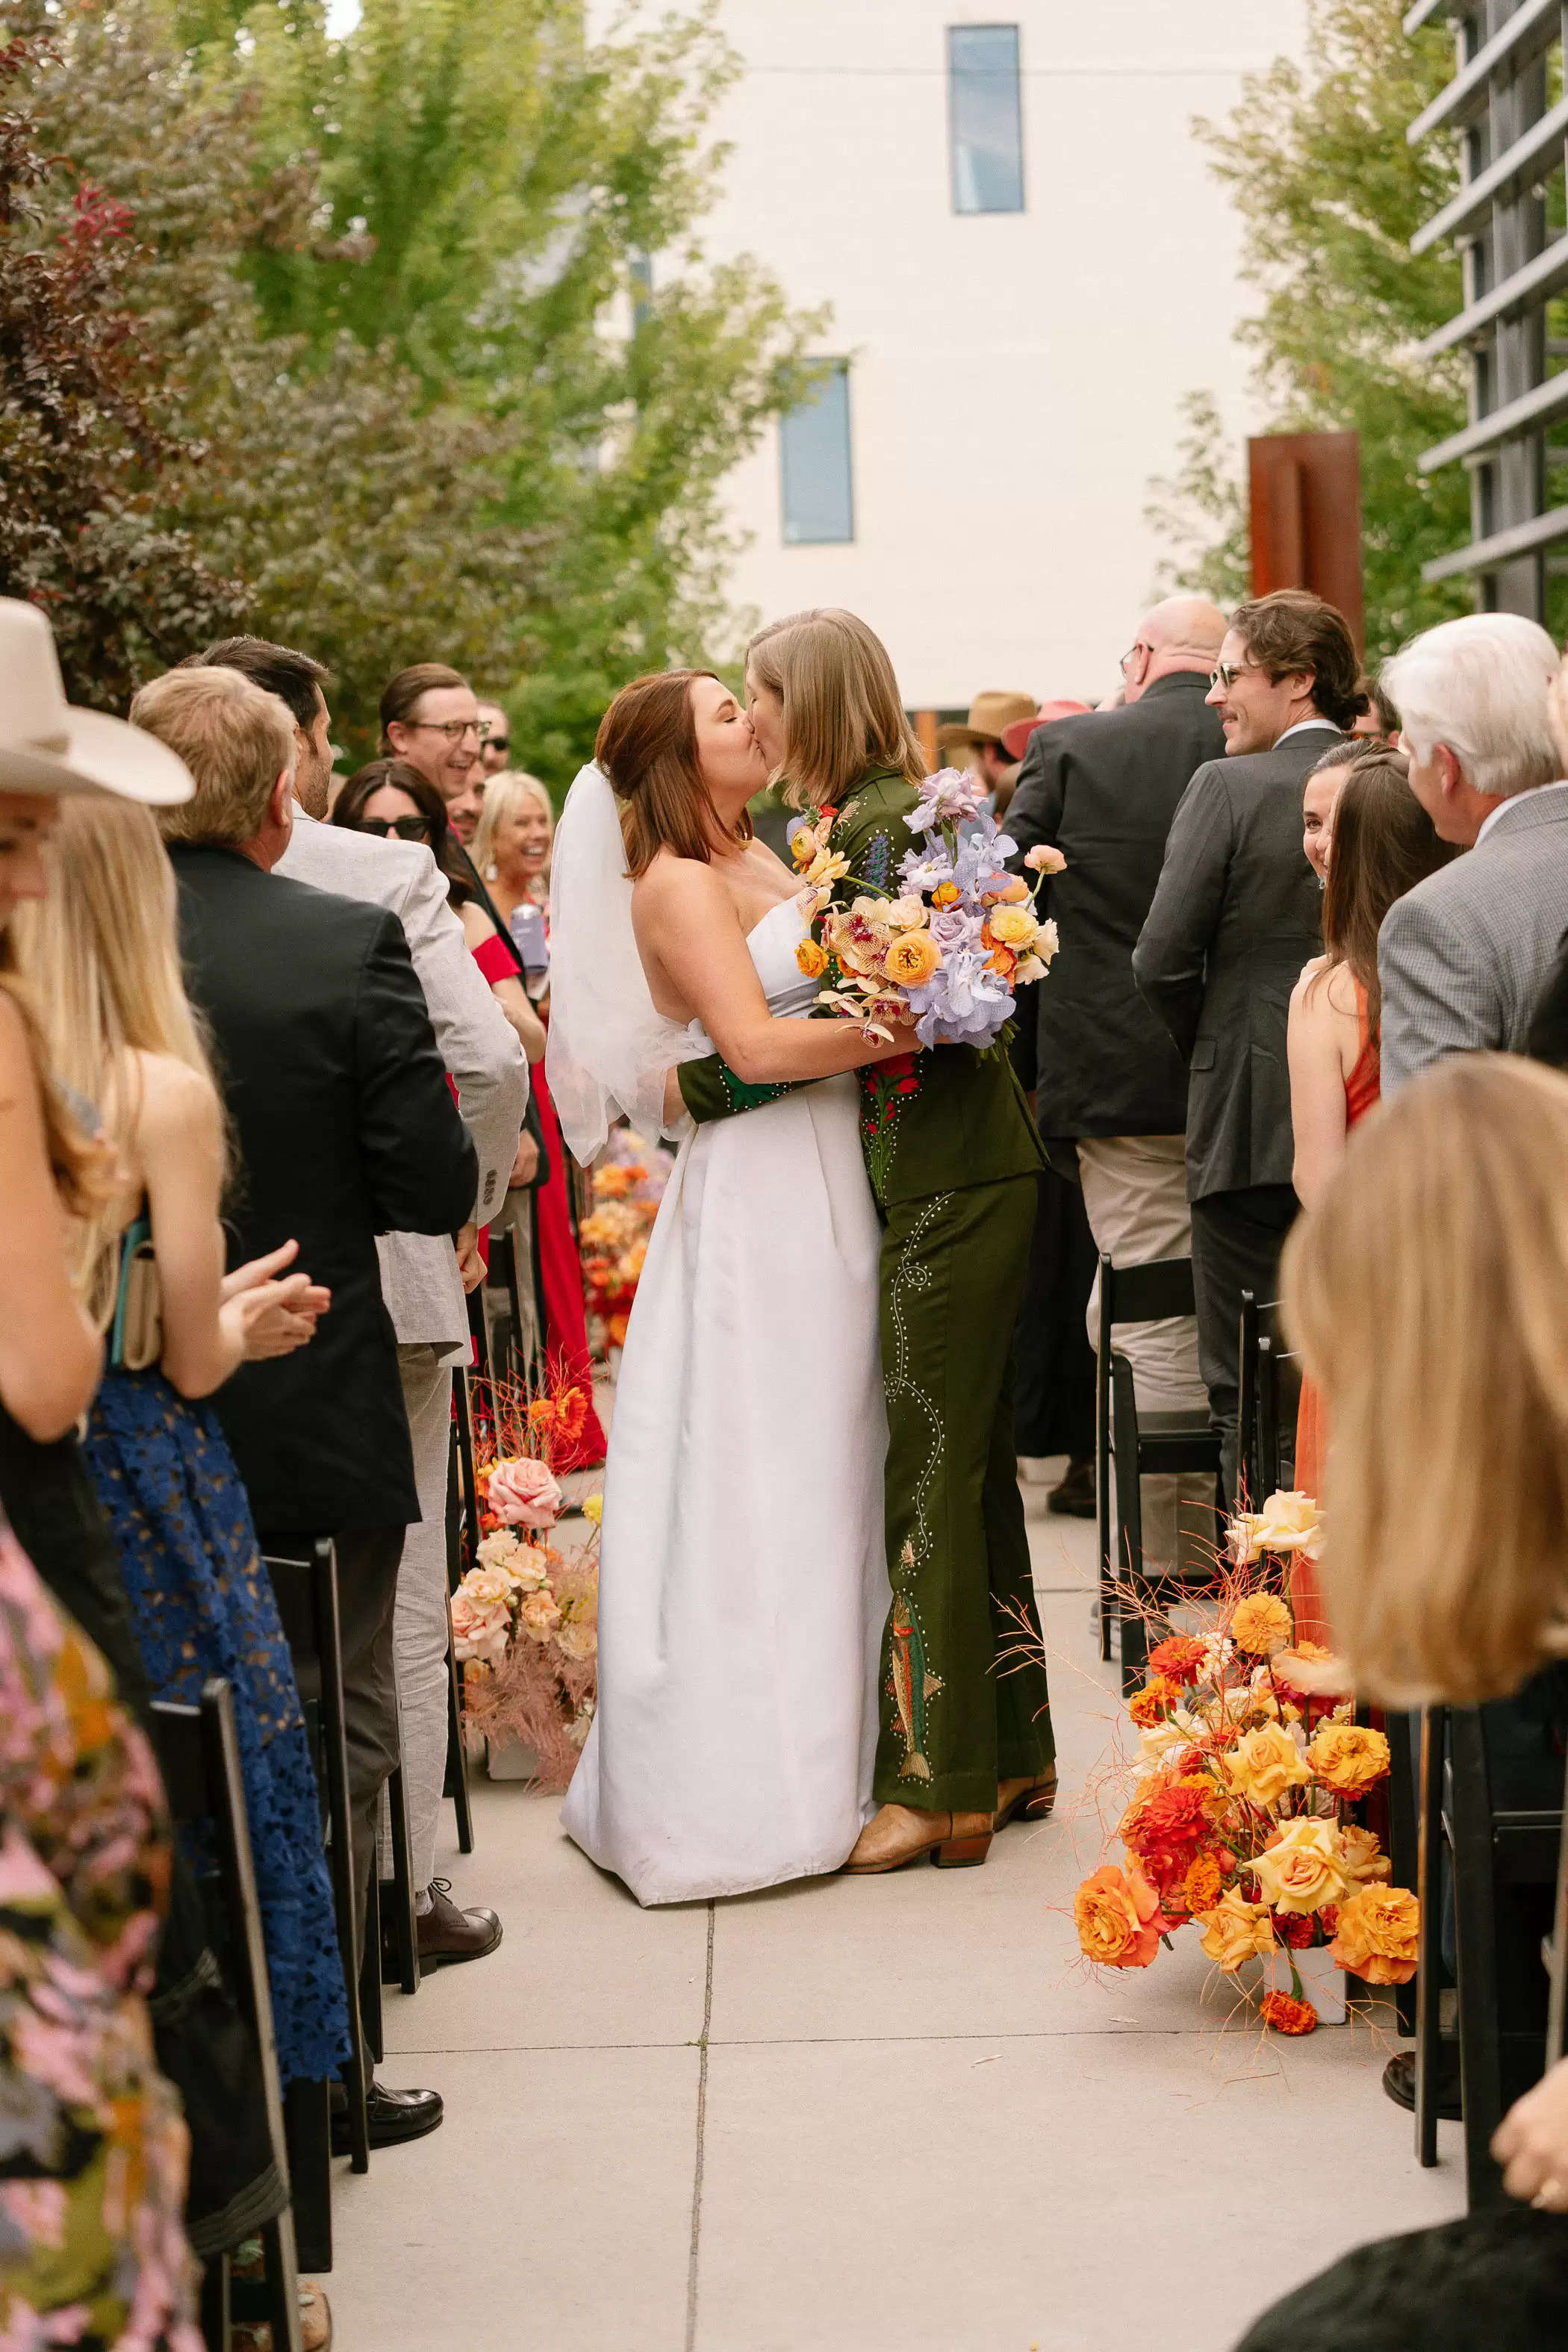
x=1153 y=1704
x=1177 y=1657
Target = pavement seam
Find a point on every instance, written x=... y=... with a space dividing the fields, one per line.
x=692 y=2257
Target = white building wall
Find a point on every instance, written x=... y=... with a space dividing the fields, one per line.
x=1015 y=377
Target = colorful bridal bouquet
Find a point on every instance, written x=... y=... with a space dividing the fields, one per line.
x=1242 y=1819
x=946 y=948
x=628 y=1185
x=525 y=1618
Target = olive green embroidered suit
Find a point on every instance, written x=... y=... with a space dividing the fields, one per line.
x=952 y=1155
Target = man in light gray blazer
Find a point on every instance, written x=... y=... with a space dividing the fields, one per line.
x=1464 y=957
x=421 y=1278
x=1236 y=915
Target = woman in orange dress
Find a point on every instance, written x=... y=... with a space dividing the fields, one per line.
x=1383 y=845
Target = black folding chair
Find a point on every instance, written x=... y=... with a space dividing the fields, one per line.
x=1495 y=1852
x=307 y=1595
x=1146 y=1444
x=198 y=1754
x=462 y=1552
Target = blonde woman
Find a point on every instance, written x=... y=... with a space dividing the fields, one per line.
x=101 y=952
x=953 y=1159
x=1428 y=1288
x=515 y=837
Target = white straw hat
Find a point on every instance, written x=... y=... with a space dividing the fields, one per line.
x=48 y=745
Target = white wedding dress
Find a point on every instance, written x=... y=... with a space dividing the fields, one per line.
x=743 y=1586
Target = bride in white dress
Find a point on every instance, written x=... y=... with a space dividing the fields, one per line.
x=743 y=1586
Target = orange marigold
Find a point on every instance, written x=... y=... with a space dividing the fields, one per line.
x=1202 y=1886
x=1288 y=2015
x=1153 y=1704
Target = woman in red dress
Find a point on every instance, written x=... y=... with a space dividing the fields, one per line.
x=511 y=852
x=1383 y=845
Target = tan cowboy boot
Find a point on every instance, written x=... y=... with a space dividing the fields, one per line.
x=1026 y=1800
x=899 y=1833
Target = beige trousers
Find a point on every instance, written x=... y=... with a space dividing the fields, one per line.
x=1135 y=1191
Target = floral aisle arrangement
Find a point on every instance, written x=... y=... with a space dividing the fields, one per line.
x=525 y=1618
x=946 y=948
x=1241 y=1820
x=627 y=1186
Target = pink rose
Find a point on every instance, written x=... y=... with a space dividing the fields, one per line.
x=523 y=1494
x=480 y=1629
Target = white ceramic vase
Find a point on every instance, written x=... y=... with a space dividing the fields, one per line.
x=1322 y=1983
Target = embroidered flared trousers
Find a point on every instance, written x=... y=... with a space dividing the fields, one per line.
x=964 y=1697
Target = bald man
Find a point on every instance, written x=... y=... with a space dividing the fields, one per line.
x=1110 y=1087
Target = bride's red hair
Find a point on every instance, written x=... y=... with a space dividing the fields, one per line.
x=647 y=745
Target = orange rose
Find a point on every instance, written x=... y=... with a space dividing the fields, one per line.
x=1117 y=1919
x=1349 y=1758
x=1378 y=1935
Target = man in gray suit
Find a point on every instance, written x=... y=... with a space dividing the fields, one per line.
x=1236 y=915
x=1464 y=957
x=423 y=1277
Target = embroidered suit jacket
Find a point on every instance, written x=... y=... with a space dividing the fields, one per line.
x=940 y=1121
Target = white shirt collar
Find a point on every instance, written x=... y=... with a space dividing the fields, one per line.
x=1301 y=728
x=1503 y=807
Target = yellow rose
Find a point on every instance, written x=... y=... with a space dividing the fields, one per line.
x=1364 y=1859
x=1303 y=1868
x=1261 y=1624
x=912 y=958
x=1236 y=1930
x=811 y=958
x=1012 y=927
x=1347 y=1759
x=1263 y=1764
x=1378 y=1935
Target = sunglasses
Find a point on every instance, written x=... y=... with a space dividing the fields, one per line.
x=1226 y=676
x=498 y=742
x=406 y=828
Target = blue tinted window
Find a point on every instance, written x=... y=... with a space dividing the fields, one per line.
x=985 y=116
x=816 y=476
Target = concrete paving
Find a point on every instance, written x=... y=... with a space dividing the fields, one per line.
x=857 y=2115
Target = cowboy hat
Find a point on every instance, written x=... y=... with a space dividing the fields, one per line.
x=1016 y=739
x=988 y=714
x=46 y=745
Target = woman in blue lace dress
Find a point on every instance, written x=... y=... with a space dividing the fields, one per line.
x=101 y=952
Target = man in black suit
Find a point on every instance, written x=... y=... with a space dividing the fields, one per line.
x=1110 y=1088
x=1237 y=914
x=346 y=1127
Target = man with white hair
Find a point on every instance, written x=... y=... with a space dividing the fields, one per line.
x=1464 y=957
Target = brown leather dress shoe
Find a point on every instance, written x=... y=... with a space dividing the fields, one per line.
x=899 y=1833
x=447 y=1935
x=1028 y=1800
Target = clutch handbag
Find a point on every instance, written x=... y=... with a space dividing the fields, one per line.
x=136 y=1336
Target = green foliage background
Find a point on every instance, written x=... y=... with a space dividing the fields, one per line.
x=394 y=295
x=1329 y=192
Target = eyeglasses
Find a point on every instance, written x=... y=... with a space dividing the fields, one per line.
x=498 y=742
x=406 y=828
x=1132 y=654
x=454 y=730
x=1226 y=676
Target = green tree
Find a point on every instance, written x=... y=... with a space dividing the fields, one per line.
x=1329 y=192
x=513 y=212
x=85 y=454
x=396 y=285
